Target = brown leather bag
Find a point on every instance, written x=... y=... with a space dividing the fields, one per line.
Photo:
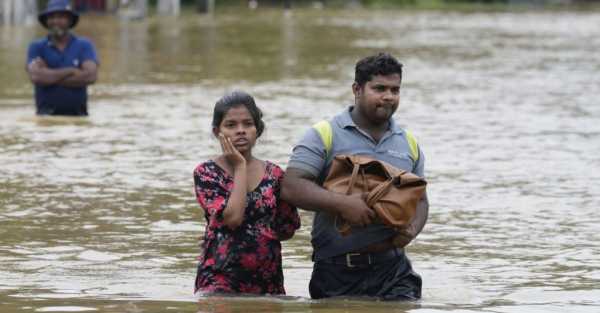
x=391 y=192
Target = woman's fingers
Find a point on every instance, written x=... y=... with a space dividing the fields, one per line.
x=230 y=149
x=222 y=142
x=233 y=148
x=225 y=144
x=229 y=146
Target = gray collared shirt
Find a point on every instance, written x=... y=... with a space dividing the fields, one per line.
x=311 y=156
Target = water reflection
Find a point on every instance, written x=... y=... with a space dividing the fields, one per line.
x=99 y=212
x=216 y=304
x=131 y=58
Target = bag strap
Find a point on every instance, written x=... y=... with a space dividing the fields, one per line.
x=353 y=178
x=342 y=226
x=326 y=133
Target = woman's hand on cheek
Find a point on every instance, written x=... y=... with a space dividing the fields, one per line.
x=230 y=153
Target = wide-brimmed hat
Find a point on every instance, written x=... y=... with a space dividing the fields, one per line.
x=58 y=6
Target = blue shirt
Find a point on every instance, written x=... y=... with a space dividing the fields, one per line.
x=55 y=99
x=310 y=155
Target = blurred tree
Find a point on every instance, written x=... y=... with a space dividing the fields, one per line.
x=18 y=12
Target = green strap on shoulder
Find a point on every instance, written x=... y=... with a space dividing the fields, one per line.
x=326 y=133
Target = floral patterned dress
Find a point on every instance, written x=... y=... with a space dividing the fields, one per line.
x=247 y=259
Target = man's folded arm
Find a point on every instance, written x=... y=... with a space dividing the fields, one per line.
x=87 y=75
x=40 y=74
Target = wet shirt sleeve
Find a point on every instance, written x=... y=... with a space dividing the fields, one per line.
x=33 y=52
x=88 y=52
x=419 y=168
x=211 y=192
x=309 y=154
x=423 y=206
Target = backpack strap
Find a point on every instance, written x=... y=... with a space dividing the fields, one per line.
x=326 y=133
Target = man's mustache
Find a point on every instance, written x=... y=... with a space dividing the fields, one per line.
x=57 y=31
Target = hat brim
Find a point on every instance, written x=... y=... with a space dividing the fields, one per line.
x=43 y=17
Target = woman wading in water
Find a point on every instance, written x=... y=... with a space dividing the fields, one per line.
x=245 y=218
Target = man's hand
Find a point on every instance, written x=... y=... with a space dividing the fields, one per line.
x=37 y=64
x=83 y=76
x=356 y=211
x=297 y=184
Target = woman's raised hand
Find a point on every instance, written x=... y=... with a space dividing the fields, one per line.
x=230 y=153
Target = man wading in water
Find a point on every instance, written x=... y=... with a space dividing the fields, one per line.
x=364 y=263
x=61 y=65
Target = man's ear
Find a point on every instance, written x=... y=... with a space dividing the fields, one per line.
x=356 y=89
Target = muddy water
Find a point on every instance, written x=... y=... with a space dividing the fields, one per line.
x=98 y=214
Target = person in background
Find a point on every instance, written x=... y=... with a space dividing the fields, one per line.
x=246 y=219
x=61 y=65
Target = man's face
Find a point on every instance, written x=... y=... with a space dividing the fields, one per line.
x=58 y=23
x=378 y=99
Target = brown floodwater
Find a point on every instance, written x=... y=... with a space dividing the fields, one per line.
x=98 y=214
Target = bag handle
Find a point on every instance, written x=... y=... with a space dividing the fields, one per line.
x=381 y=190
x=353 y=178
x=345 y=227
x=365 y=182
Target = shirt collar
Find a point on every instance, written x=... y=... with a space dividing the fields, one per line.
x=346 y=121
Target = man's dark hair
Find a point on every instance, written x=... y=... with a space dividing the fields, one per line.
x=236 y=99
x=379 y=64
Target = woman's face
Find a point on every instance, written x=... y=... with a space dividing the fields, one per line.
x=238 y=125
